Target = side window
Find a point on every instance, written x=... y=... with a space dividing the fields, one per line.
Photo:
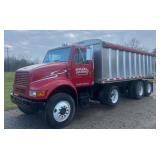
x=80 y=57
x=76 y=58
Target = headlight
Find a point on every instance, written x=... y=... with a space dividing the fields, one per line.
x=36 y=93
x=32 y=93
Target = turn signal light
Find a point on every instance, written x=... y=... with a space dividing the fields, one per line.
x=40 y=93
x=36 y=93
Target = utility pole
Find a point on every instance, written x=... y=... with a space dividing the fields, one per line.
x=8 y=58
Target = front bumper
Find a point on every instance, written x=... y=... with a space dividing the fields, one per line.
x=27 y=104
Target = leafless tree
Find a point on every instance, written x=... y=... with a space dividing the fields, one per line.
x=36 y=61
x=133 y=43
x=154 y=51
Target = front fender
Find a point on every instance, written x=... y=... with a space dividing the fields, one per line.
x=49 y=85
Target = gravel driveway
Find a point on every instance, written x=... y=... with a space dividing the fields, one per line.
x=128 y=114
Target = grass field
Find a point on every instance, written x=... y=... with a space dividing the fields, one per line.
x=152 y=80
x=8 y=82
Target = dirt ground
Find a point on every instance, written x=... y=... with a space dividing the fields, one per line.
x=128 y=114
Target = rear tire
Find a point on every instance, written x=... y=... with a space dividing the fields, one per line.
x=138 y=90
x=130 y=89
x=109 y=96
x=59 y=110
x=25 y=111
x=147 y=88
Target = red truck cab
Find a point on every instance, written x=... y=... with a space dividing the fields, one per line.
x=64 y=70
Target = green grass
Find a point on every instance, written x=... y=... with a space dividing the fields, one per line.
x=8 y=82
x=152 y=80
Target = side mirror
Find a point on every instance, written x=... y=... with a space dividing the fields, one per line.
x=89 y=53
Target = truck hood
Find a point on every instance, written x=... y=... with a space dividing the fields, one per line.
x=38 y=66
x=44 y=72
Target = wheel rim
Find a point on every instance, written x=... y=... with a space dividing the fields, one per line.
x=149 y=88
x=140 y=90
x=61 y=111
x=114 y=96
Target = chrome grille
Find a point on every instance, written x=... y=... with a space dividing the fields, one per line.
x=21 y=78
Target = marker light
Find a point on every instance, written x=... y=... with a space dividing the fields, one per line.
x=40 y=93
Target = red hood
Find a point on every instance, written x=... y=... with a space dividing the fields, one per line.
x=38 y=66
x=41 y=72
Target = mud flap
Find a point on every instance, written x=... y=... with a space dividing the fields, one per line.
x=152 y=86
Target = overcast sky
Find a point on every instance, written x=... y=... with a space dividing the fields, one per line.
x=37 y=42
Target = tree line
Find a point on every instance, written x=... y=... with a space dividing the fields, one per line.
x=135 y=42
x=12 y=63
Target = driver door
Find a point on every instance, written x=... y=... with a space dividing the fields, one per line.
x=82 y=69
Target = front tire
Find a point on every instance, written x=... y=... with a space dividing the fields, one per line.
x=59 y=110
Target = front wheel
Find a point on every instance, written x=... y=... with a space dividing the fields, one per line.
x=59 y=110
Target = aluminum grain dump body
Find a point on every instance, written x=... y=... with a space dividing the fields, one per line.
x=116 y=63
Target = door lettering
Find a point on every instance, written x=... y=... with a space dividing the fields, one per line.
x=82 y=71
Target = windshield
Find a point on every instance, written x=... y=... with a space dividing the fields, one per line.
x=59 y=55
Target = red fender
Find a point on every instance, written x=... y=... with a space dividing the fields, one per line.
x=50 y=84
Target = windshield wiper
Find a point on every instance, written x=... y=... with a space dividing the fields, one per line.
x=57 y=60
x=47 y=61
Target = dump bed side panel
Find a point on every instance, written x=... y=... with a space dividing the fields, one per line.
x=121 y=66
x=118 y=65
x=97 y=52
x=105 y=63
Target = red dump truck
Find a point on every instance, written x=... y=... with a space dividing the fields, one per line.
x=71 y=75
